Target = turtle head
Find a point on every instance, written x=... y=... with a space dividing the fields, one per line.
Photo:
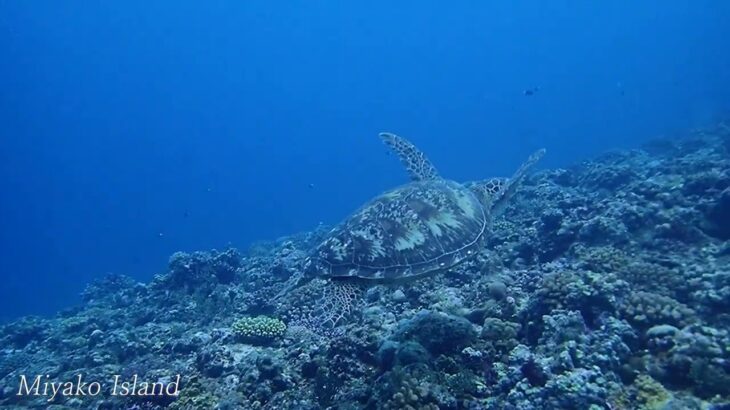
x=488 y=191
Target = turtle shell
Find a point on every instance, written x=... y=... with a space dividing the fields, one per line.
x=411 y=231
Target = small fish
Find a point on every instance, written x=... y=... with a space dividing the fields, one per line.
x=531 y=91
x=311 y=186
x=160 y=235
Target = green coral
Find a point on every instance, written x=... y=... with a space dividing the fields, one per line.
x=656 y=278
x=500 y=336
x=602 y=259
x=650 y=394
x=194 y=396
x=259 y=327
x=578 y=290
x=646 y=309
x=413 y=387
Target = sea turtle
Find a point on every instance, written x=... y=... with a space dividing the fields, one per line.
x=418 y=229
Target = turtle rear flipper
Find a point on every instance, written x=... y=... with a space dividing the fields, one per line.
x=337 y=301
x=418 y=166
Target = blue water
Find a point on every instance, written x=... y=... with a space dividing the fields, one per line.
x=131 y=130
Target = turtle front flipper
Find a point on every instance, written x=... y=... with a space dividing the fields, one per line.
x=510 y=186
x=418 y=166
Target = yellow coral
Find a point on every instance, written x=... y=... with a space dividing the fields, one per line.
x=258 y=327
x=650 y=394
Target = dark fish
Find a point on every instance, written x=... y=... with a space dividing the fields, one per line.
x=530 y=91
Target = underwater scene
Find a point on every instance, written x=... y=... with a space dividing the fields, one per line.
x=386 y=205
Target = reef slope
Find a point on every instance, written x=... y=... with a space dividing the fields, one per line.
x=604 y=286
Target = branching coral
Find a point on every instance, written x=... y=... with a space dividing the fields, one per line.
x=645 y=309
x=650 y=394
x=588 y=292
x=260 y=327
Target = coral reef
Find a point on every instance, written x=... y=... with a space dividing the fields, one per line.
x=603 y=286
